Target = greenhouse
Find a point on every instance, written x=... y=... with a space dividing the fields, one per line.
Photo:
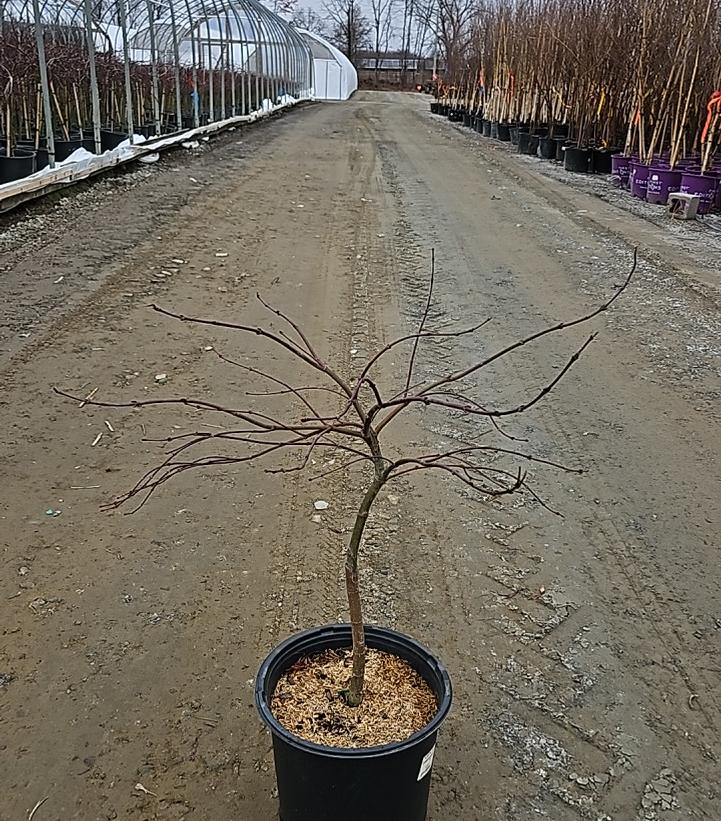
x=95 y=75
x=334 y=76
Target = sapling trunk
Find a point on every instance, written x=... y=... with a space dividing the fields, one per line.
x=354 y=696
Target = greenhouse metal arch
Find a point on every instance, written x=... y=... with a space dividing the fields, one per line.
x=102 y=71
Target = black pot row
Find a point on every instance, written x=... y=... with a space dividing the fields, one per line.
x=558 y=148
x=548 y=143
x=26 y=159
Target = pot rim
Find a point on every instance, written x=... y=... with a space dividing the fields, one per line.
x=19 y=153
x=698 y=174
x=373 y=634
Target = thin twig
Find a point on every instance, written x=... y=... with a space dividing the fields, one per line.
x=32 y=812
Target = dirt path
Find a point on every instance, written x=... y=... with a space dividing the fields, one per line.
x=583 y=649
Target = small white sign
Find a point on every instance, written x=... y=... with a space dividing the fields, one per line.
x=426 y=763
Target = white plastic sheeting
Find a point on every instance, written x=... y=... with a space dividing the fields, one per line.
x=334 y=76
x=81 y=164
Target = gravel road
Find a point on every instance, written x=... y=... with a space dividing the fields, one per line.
x=583 y=648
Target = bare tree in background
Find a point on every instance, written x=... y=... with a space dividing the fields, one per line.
x=416 y=36
x=406 y=28
x=310 y=20
x=382 y=13
x=350 y=28
x=284 y=6
x=452 y=23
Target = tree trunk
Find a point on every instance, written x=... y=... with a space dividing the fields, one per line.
x=355 y=687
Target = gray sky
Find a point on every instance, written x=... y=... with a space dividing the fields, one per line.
x=395 y=43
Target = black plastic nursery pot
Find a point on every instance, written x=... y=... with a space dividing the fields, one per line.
x=320 y=783
x=494 y=129
x=561 y=143
x=85 y=140
x=20 y=164
x=467 y=119
x=504 y=132
x=64 y=148
x=513 y=132
x=601 y=160
x=111 y=139
x=147 y=130
x=486 y=128
x=577 y=159
x=41 y=154
x=547 y=148
x=524 y=138
x=532 y=147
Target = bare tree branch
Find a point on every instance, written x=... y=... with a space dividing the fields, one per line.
x=422 y=323
x=488 y=469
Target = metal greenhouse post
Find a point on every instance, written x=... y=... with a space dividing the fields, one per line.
x=176 y=56
x=153 y=67
x=195 y=47
x=223 y=57
x=126 y=62
x=43 y=67
x=231 y=66
x=211 y=89
x=94 y=94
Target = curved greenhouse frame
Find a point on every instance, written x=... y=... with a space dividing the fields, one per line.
x=103 y=71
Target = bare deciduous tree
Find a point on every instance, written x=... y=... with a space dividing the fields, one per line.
x=284 y=6
x=382 y=12
x=355 y=429
x=452 y=23
x=310 y=20
x=349 y=27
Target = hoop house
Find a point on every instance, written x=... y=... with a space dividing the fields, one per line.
x=103 y=71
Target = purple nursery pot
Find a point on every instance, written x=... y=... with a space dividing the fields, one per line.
x=639 y=179
x=703 y=186
x=660 y=182
x=621 y=168
x=716 y=172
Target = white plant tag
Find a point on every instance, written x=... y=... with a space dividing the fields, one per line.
x=426 y=763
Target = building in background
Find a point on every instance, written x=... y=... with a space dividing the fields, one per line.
x=394 y=70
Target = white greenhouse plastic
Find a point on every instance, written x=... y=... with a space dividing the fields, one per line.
x=334 y=76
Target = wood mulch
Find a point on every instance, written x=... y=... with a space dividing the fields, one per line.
x=309 y=700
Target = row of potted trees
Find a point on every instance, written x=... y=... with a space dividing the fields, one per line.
x=547 y=141
x=645 y=88
x=23 y=142
x=652 y=181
